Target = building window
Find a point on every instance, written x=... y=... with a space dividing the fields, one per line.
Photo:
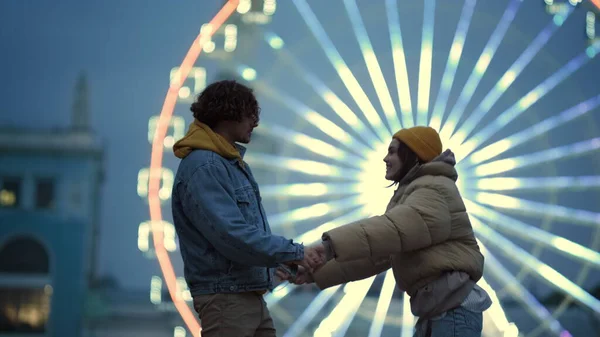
x=44 y=194
x=25 y=310
x=10 y=192
x=24 y=255
x=25 y=286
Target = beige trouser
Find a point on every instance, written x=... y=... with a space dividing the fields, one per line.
x=234 y=315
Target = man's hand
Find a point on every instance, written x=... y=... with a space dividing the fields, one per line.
x=303 y=276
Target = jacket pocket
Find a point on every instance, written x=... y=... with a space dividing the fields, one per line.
x=244 y=203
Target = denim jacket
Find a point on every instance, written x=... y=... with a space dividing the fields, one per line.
x=224 y=236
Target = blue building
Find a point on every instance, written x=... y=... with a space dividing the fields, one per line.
x=49 y=210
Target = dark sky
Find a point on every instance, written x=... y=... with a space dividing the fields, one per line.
x=127 y=49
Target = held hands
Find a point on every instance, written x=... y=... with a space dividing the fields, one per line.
x=314 y=258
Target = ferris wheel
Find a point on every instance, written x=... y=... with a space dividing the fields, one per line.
x=497 y=116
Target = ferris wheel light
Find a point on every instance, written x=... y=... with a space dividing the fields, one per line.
x=590 y=27
x=425 y=63
x=143 y=236
x=480 y=68
x=247 y=73
x=505 y=81
x=269 y=7
x=244 y=6
x=275 y=42
x=184 y=92
x=179 y=331
x=558 y=20
x=156 y=290
x=344 y=72
x=452 y=65
x=372 y=63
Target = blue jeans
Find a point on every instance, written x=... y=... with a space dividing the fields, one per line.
x=457 y=322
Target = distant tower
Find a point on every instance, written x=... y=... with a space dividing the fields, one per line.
x=80 y=112
x=80 y=124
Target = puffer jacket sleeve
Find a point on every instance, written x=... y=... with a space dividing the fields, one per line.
x=334 y=272
x=421 y=221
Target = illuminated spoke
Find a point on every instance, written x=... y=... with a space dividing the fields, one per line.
x=507 y=80
x=554 y=183
x=540 y=269
x=523 y=296
x=408 y=320
x=383 y=304
x=373 y=67
x=338 y=321
x=527 y=207
x=334 y=102
x=400 y=70
x=325 y=125
x=425 y=63
x=452 y=64
x=519 y=293
x=480 y=68
x=531 y=233
x=280 y=292
x=313 y=211
x=300 y=165
x=310 y=312
x=315 y=234
x=557 y=153
x=309 y=190
x=358 y=94
x=538 y=129
x=526 y=101
x=314 y=145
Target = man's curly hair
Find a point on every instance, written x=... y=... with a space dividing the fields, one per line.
x=225 y=100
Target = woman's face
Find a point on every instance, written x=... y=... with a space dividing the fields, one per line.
x=393 y=164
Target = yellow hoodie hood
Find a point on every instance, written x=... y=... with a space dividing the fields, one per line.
x=200 y=136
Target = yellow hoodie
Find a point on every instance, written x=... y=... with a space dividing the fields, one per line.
x=200 y=136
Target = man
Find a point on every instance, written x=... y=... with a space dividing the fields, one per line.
x=228 y=251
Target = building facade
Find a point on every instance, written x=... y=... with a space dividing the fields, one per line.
x=49 y=208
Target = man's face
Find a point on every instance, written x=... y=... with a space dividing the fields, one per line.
x=243 y=130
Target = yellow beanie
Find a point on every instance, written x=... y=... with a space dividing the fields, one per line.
x=423 y=140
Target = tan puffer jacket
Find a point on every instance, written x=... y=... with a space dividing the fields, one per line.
x=424 y=232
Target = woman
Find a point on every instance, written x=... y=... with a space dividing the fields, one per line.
x=425 y=236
